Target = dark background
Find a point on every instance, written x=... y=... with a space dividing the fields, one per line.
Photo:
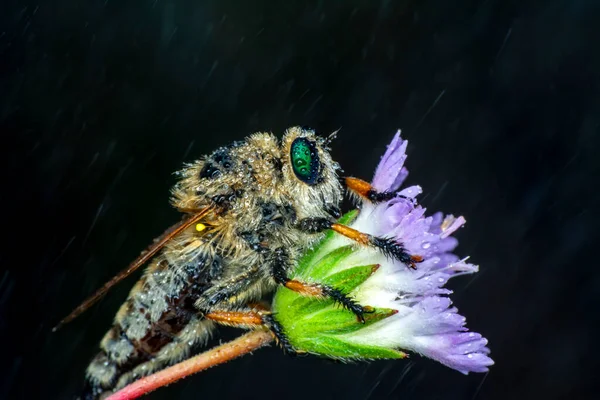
x=102 y=100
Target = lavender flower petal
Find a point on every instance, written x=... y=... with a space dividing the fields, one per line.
x=426 y=323
x=390 y=173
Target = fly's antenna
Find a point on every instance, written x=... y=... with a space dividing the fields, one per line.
x=330 y=138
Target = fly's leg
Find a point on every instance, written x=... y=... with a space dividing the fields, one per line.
x=389 y=247
x=249 y=318
x=227 y=291
x=280 y=265
x=364 y=190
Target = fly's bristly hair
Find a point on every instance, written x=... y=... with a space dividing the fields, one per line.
x=257 y=193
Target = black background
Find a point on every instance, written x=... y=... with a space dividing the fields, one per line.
x=102 y=100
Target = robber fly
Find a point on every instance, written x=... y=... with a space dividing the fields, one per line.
x=251 y=209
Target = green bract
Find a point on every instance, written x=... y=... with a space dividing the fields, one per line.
x=319 y=326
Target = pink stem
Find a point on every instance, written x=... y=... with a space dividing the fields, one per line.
x=218 y=355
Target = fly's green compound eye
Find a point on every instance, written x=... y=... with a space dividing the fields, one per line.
x=305 y=160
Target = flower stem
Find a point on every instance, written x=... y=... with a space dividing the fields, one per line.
x=218 y=355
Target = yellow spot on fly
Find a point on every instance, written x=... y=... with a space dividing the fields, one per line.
x=200 y=227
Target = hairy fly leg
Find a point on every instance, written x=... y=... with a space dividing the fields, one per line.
x=228 y=291
x=387 y=246
x=364 y=190
x=280 y=263
x=251 y=318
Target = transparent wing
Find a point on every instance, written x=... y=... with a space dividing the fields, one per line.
x=157 y=244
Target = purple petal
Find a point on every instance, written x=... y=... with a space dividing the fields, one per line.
x=390 y=173
x=436 y=223
x=454 y=224
x=411 y=191
x=442 y=337
x=436 y=329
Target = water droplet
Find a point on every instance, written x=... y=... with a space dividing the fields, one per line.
x=441 y=280
x=470 y=355
x=426 y=245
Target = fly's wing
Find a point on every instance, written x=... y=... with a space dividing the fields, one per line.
x=158 y=244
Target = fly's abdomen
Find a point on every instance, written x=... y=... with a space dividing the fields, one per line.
x=157 y=326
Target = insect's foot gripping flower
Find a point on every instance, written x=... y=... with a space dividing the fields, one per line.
x=409 y=308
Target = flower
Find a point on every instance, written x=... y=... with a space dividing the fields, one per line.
x=411 y=308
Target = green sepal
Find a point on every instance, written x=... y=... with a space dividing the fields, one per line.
x=319 y=270
x=348 y=279
x=333 y=347
x=345 y=281
x=290 y=305
x=334 y=320
x=319 y=326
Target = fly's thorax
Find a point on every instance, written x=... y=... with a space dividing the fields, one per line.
x=231 y=176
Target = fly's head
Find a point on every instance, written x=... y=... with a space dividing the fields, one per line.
x=309 y=173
